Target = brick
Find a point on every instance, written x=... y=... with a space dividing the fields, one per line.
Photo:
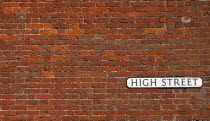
x=34 y=47
x=7 y=69
x=193 y=3
x=10 y=4
x=110 y=52
x=44 y=96
x=137 y=14
x=161 y=68
x=98 y=118
x=60 y=47
x=8 y=10
x=184 y=117
x=74 y=31
x=58 y=58
x=182 y=30
x=155 y=30
x=184 y=107
x=21 y=74
x=33 y=58
x=22 y=31
x=18 y=85
x=98 y=9
x=171 y=3
x=150 y=52
x=138 y=25
x=7 y=102
x=45 y=74
x=204 y=30
x=169 y=107
x=47 y=26
x=48 y=31
x=124 y=74
x=85 y=53
x=34 y=26
x=58 y=102
x=182 y=51
x=139 y=3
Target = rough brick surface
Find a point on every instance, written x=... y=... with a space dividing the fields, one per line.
x=69 y=59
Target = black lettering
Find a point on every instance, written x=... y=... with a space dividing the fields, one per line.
x=195 y=81
x=140 y=82
x=189 y=82
x=170 y=81
x=163 y=80
x=183 y=82
x=146 y=83
x=133 y=82
x=176 y=81
x=153 y=82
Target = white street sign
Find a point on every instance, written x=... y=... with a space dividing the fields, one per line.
x=164 y=82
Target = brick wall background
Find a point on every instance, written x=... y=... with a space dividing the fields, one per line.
x=69 y=59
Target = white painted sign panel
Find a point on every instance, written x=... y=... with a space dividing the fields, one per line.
x=165 y=82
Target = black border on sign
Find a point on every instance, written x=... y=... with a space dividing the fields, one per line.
x=162 y=87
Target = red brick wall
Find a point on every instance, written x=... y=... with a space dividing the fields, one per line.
x=69 y=59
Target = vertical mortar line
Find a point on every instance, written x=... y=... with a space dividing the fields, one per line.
x=165 y=26
x=202 y=93
x=204 y=101
x=189 y=10
x=166 y=8
x=89 y=43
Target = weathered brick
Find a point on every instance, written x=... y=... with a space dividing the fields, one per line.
x=13 y=4
x=20 y=74
x=60 y=47
x=150 y=52
x=34 y=47
x=45 y=74
x=8 y=10
x=44 y=96
x=137 y=14
x=182 y=30
x=58 y=58
x=34 y=26
x=74 y=31
x=161 y=68
x=155 y=30
x=33 y=58
x=48 y=31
